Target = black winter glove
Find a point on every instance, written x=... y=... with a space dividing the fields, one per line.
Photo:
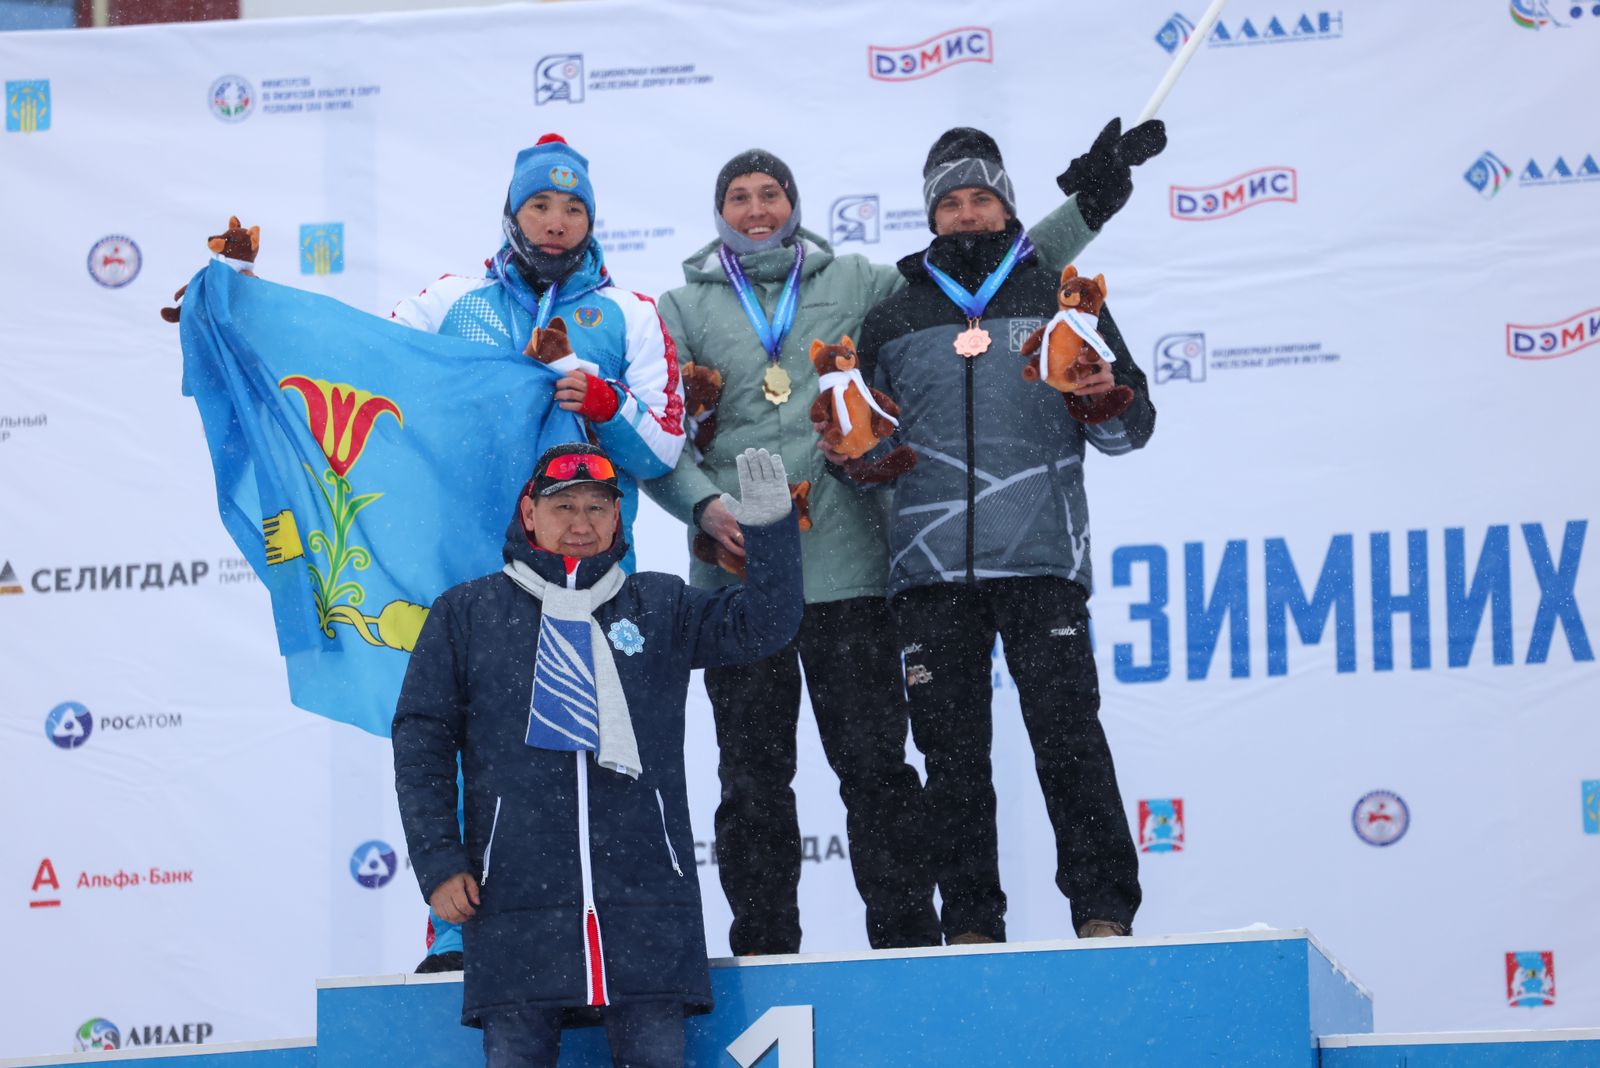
x=1103 y=176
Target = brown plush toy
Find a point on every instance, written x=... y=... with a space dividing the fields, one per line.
x=1068 y=358
x=871 y=414
x=702 y=388
x=551 y=343
x=710 y=550
x=236 y=243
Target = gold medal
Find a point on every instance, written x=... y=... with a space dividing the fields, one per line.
x=973 y=341
x=775 y=385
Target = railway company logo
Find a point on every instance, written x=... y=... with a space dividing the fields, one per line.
x=905 y=63
x=855 y=218
x=1181 y=358
x=558 y=79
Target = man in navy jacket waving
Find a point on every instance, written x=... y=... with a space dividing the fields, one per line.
x=561 y=683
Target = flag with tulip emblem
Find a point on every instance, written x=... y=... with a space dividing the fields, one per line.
x=362 y=467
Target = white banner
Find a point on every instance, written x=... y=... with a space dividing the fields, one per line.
x=1343 y=619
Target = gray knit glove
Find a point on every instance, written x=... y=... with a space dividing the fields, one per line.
x=763 y=489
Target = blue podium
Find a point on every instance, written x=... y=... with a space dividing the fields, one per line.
x=1234 y=999
x=1230 y=999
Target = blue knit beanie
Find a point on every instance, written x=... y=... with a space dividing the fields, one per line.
x=551 y=165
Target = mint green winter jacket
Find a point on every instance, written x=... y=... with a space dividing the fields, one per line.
x=845 y=553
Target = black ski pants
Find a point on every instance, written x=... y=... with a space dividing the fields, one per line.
x=848 y=651
x=947 y=634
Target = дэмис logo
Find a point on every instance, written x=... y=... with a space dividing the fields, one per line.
x=904 y=63
x=1202 y=203
x=1547 y=341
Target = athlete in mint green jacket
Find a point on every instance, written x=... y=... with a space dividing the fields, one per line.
x=846 y=640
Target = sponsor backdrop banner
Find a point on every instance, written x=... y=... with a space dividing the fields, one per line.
x=1346 y=597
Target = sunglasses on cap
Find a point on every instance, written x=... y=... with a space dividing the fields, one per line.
x=565 y=467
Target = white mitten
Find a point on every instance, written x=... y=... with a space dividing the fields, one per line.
x=763 y=489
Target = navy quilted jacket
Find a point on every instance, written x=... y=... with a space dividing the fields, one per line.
x=589 y=893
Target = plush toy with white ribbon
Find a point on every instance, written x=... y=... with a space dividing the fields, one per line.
x=1068 y=350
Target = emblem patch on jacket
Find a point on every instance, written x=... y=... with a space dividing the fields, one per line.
x=588 y=315
x=625 y=637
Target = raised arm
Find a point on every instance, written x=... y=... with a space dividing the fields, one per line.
x=740 y=624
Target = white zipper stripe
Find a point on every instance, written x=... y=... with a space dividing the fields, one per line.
x=586 y=870
x=673 y=853
x=484 y=881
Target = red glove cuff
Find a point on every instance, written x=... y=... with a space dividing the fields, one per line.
x=600 y=400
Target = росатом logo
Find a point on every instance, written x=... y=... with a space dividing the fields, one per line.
x=373 y=864
x=69 y=725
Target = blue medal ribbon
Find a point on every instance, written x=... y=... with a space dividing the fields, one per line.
x=973 y=304
x=542 y=307
x=771 y=335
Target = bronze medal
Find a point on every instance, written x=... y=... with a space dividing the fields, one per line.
x=775 y=385
x=973 y=341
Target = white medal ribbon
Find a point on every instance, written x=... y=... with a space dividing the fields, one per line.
x=1085 y=326
x=839 y=382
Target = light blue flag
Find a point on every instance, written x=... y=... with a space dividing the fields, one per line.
x=362 y=468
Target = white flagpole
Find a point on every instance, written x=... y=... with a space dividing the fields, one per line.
x=1186 y=53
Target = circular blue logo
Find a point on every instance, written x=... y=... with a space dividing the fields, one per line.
x=232 y=98
x=373 y=864
x=1381 y=818
x=69 y=725
x=95 y=1035
x=114 y=261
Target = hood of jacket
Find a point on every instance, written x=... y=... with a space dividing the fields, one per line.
x=773 y=265
x=552 y=567
x=968 y=258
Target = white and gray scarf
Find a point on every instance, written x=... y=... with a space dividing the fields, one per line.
x=577 y=700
